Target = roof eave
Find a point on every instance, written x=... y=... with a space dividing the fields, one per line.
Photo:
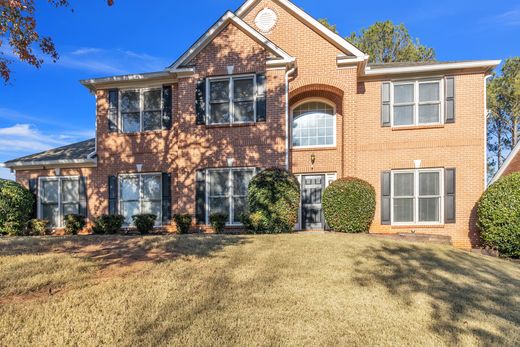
x=93 y=83
x=484 y=65
x=35 y=164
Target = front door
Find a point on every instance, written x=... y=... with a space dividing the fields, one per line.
x=312 y=191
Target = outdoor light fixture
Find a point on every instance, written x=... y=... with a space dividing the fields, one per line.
x=313 y=160
x=57 y=171
x=230 y=162
x=417 y=163
x=139 y=167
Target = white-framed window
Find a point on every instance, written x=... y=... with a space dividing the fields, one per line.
x=231 y=100
x=58 y=197
x=417 y=196
x=226 y=192
x=140 y=193
x=313 y=125
x=140 y=109
x=417 y=102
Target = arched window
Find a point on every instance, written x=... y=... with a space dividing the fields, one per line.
x=313 y=125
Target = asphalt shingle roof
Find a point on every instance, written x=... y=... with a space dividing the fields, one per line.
x=75 y=151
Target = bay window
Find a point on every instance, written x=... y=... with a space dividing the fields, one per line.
x=140 y=110
x=417 y=196
x=58 y=197
x=232 y=99
x=227 y=192
x=139 y=194
x=417 y=103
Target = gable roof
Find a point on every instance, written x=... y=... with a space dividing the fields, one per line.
x=76 y=153
x=221 y=24
x=335 y=39
x=506 y=164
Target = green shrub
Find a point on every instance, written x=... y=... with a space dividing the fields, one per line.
x=108 y=224
x=274 y=197
x=16 y=204
x=218 y=221
x=349 y=205
x=38 y=227
x=183 y=223
x=498 y=215
x=144 y=222
x=73 y=223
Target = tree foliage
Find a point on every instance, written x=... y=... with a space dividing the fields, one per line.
x=18 y=33
x=331 y=27
x=16 y=204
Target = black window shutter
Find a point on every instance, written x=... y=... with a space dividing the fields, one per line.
x=112 y=195
x=200 y=101
x=385 y=105
x=167 y=107
x=33 y=188
x=166 y=197
x=113 y=110
x=449 y=198
x=386 y=198
x=450 y=99
x=200 y=197
x=261 y=99
x=83 y=196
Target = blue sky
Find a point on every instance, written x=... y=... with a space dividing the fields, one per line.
x=47 y=107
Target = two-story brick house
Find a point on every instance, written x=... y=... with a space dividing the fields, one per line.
x=269 y=86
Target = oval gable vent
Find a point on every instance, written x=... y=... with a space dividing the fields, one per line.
x=266 y=20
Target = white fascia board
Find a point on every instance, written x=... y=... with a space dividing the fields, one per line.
x=345 y=60
x=93 y=82
x=217 y=28
x=310 y=21
x=506 y=163
x=489 y=64
x=57 y=163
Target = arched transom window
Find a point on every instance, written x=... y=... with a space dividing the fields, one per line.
x=313 y=125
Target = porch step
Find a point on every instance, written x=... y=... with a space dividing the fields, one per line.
x=414 y=237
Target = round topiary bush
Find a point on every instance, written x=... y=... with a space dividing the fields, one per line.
x=274 y=197
x=349 y=205
x=498 y=216
x=16 y=204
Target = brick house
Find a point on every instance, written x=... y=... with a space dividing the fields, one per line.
x=265 y=86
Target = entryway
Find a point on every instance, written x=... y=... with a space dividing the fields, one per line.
x=311 y=211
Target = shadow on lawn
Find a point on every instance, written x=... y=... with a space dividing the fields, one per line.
x=457 y=284
x=121 y=250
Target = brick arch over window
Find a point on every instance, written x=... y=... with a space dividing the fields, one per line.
x=314 y=91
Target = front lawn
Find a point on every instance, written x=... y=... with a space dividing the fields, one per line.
x=307 y=289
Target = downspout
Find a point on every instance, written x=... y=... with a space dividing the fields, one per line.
x=287 y=123
x=486 y=113
x=91 y=155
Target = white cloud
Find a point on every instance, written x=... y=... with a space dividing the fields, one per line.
x=85 y=50
x=6 y=174
x=509 y=18
x=25 y=138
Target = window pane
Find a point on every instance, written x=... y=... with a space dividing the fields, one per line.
x=244 y=112
x=429 y=209
x=313 y=107
x=403 y=210
x=130 y=101
x=429 y=113
x=219 y=113
x=152 y=187
x=131 y=122
x=152 y=120
x=51 y=213
x=403 y=115
x=239 y=208
x=403 y=93
x=428 y=92
x=429 y=183
x=50 y=191
x=70 y=208
x=129 y=188
x=403 y=184
x=218 y=185
x=313 y=129
x=69 y=190
x=152 y=100
x=241 y=181
x=129 y=209
x=219 y=90
x=153 y=207
x=243 y=89
x=219 y=205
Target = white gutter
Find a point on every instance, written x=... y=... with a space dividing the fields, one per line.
x=287 y=123
x=486 y=114
x=432 y=67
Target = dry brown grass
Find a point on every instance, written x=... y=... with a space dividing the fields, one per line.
x=294 y=290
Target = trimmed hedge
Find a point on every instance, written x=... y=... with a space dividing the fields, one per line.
x=74 y=223
x=183 y=223
x=218 y=222
x=498 y=215
x=108 y=224
x=144 y=222
x=16 y=206
x=349 y=205
x=38 y=227
x=274 y=197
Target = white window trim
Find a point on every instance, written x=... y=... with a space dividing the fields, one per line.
x=231 y=215
x=39 y=208
x=329 y=178
x=139 y=175
x=141 y=110
x=325 y=101
x=416 y=197
x=230 y=79
x=416 y=102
